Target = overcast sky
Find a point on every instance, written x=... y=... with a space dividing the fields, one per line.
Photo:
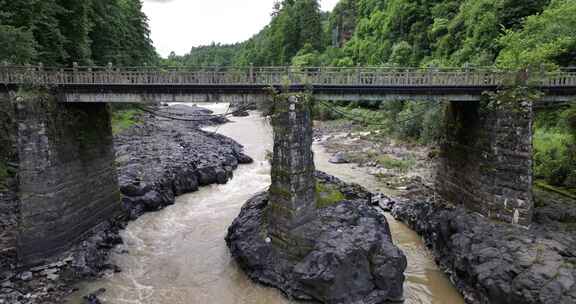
x=177 y=25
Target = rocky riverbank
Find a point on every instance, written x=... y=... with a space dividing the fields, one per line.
x=157 y=160
x=492 y=262
x=163 y=158
x=488 y=261
x=402 y=169
x=351 y=258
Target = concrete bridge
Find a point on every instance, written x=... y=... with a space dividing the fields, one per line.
x=146 y=85
x=55 y=132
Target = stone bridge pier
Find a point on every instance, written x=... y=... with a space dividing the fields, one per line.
x=486 y=160
x=293 y=189
x=57 y=174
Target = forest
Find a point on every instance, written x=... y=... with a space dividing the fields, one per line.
x=444 y=33
x=88 y=32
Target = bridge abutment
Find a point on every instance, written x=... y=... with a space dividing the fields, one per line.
x=486 y=160
x=65 y=181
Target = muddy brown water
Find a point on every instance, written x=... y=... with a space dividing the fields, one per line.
x=178 y=255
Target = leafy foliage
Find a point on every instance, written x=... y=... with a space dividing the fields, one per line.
x=554 y=147
x=548 y=38
x=296 y=29
x=59 y=32
x=210 y=55
x=409 y=121
x=124 y=118
x=16 y=45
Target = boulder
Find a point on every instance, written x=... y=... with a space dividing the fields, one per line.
x=352 y=259
x=207 y=176
x=244 y=159
x=241 y=113
x=221 y=176
x=339 y=158
x=184 y=182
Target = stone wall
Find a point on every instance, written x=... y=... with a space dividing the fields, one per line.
x=293 y=189
x=67 y=183
x=9 y=204
x=486 y=160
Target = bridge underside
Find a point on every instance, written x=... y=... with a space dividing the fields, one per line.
x=136 y=93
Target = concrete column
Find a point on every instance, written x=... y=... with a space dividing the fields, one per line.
x=293 y=189
x=486 y=160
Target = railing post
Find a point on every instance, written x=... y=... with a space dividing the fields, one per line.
x=4 y=75
x=75 y=78
x=431 y=71
x=42 y=73
x=289 y=73
x=252 y=76
x=90 y=76
x=28 y=74
x=467 y=73
x=526 y=76
x=109 y=70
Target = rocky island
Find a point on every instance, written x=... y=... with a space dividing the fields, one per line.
x=311 y=235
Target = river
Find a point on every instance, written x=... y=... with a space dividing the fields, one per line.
x=178 y=255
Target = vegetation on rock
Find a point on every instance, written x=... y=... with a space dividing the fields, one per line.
x=327 y=195
x=123 y=119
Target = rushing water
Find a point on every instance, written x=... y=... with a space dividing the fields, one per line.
x=178 y=255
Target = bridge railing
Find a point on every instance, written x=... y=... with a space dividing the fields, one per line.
x=562 y=78
x=327 y=76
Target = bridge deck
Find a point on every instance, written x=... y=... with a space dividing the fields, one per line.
x=335 y=83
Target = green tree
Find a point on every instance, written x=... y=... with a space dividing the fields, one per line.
x=75 y=26
x=548 y=38
x=17 y=46
x=307 y=57
x=59 y=32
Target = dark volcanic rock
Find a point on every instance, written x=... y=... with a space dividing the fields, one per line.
x=241 y=113
x=161 y=158
x=244 y=159
x=93 y=297
x=203 y=117
x=493 y=262
x=353 y=259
